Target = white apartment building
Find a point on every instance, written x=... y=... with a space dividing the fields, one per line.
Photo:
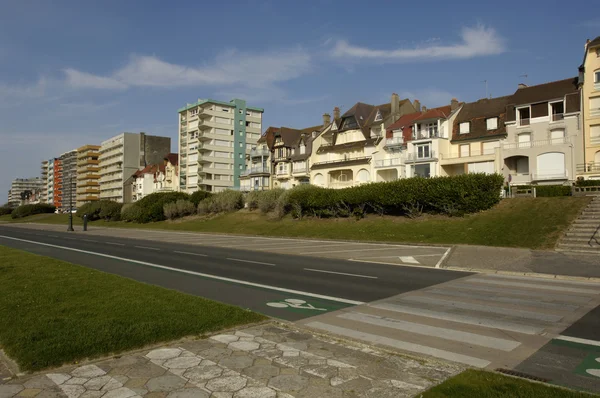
x=214 y=139
x=19 y=185
x=122 y=156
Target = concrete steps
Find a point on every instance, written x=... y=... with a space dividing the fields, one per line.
x=584 y=234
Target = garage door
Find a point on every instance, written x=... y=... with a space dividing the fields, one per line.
x=481 y=167
x=551 y=164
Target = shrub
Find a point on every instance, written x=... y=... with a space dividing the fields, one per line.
x=198 y=196
x=267 y=200
x=170 y=210
x=587 y=183
x=227 y=200
x=5 y=210
x=282 y=207
x=552 y=190
x=30 y=210
x=152 y=206
x=131 y=212
x=185 y=207
x=252 y=199
x=103 y=209
x=205 y=206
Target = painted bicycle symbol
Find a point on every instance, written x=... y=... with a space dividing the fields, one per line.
x=294 y=303
x=594 y=372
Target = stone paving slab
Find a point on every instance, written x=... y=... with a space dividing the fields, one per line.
x=265 y=361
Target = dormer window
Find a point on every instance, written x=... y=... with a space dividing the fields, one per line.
x=492 y=123
x=378 y=117
x=302 y=149
x=464 y=127
x=350 y=123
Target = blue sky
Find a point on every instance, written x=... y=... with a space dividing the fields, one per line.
x=74 y=73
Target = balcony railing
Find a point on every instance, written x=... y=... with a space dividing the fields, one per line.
x=519 y=178
x=414 y=157
x=424 y=134
x=259 y=152
x=546 y=176
x=595 y=112
x=300 y=170
x=595 y=140
x=533 y=144
x=285 y=172
x=340 y=184
x=256 y=170
x=346 y=159
x=588 y=168
x=524 y=122
x=394 y=141
x=388 y=162
x=557 y=117
x=468 y=155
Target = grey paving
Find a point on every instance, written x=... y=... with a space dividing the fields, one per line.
x=267 y=361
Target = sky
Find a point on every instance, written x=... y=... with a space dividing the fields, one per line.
x=75 y=73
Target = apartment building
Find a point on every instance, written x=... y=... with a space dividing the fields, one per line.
x=343 y=152
x=122 y=156
x=30 y=186
x=214 y=139
x=65 y=187
x=431 y=133
x=588 y=166
x=88 y=174
x=543 y=134
x=49 y=181
x=477 y=133
x=257 y=175
x=44 y=192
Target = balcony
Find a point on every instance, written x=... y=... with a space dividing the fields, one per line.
x=262 y=152
x=256 y=170
x=534 y=144
x=388 y=163
x=415 y=158
x=300 y=170
x=393 y=142
x=425 y=134
x=584 y=168
x=283 y=173
x=549 y=176
x=340 y=184
x=595 y=112
x=359 y=159
x=519 y=178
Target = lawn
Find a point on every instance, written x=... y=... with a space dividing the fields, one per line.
x=535 y=223
x=54 y=312
x=481 y=384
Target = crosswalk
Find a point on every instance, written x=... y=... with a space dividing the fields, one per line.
x=485 y=321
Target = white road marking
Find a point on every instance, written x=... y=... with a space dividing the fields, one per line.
x=340 y=273
x=402 y=345
x=200 y=274
x=52 y=236
x=146 y=247
x=191 y=254
x=433 y=331
x=536 y=285
x=89 y=240
x=439 y=263
x=66 y=237
x=115 y=243
x=409 y=260
x=404 y=265
x=579 y=340
x=251 y=262
x=351 y=250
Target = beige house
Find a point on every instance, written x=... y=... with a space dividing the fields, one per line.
x=344 y=152
x=543 y=139
x=166 y=178
x=88 y=174
x=588 y=166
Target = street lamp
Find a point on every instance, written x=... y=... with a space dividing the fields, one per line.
x=70 y=229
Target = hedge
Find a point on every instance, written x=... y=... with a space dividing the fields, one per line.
x=198 y=196
x=456 y=195
x=151 y=207
x=101 y=210
x=544 y=191
x=587 y=183
x=29 y=210
x=5 y=210
x=179 y=209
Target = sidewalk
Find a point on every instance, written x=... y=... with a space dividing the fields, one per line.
x=265 y=361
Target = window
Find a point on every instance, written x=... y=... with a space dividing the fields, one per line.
x=524 y=140
x=490 y=147
x=428 y=130
x=595 y=106
x=225 y=110
x=193 y=112
x=222 y=120
x=241 y=133
x=350 y=123
x=241 y=111
x=464 y=127
x=492 y=123
x=465 y=150
x=242 y=123
x=422 y=170
x=524 y=116
x=597 y=76
x=363 y=175
x=247 y=123
x=557 y=111
x=423 y=151
x=557 y=136
x=302 y=149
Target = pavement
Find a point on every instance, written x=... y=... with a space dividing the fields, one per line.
x=266 y=361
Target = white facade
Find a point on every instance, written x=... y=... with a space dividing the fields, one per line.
x=142 y=185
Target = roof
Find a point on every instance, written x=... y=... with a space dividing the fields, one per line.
x=594 y=43
x=211 y=101
x=544 y=92
x=360 y=111
x=436 y=113
x=405 y=124
x=477 y=113
x=150 y=169
x=173 y=158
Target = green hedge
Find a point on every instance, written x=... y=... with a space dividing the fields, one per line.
x=544 y=191
x=455 y=195
x=5 y=210
x=587 y=183
x=151 y=207
x=198 y=196
x=101 y=210
x=29 y=210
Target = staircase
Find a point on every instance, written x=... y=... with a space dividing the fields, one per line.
x=584 y=234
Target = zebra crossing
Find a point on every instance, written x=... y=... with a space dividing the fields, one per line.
x=484 y=321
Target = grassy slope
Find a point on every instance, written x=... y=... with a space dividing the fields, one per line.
x=523 y=222
x=55 y=312
x=480 y=384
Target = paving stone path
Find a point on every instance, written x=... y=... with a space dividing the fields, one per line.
x=266 y=361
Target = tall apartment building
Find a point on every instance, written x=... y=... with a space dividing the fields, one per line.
x=589 y=83
x=214 y=139
x=33 y=185
x=67 y=181
x=88 y=174
x=122 y=156
x=44 y=192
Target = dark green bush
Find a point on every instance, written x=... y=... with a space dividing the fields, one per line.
x=552 y=190
x=198 y=196
x=110 y=211
x=131 y=212
x=29 y=210
x=152 y=206
x=587 y=183
x=455 y=195
x=227 y=200
x=5 y=210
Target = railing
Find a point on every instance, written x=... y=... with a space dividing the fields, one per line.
x=259 y=152
x=557 y=117
x=595 y=140
x=388 y=162
x=340 y=184
x=283 y=172
x=487 y=152
x=533 y=144
x=582 y=191
x=394 y=141
x=343 y=160
x=519 y=178
x=524 y=122
x=414 y=157
x=254 y=170
x=424 y=134
x=588 y=168
x=560 y=175
x=300 y=170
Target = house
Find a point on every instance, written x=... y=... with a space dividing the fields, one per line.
x=343 y=152
x=142 y=182
x=257 y=175
x=588 y=166
x=431 y=133
x=166 y=178
x=543 y=137
x=477 y=133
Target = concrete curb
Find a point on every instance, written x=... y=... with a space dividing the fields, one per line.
x=530 y=274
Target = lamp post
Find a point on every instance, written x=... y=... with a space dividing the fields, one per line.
x=70 y=229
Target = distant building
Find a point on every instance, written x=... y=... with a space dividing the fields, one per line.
x=25 y=186
x=88 y=174
x=588 y=167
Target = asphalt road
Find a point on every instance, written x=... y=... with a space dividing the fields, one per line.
x=256 y=280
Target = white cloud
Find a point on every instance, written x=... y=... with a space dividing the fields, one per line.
x=229 y=68
x=476 y=41
x=430 y=97
x=77 y=79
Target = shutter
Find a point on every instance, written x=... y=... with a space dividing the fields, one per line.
x=489 y=147
x=464 y=151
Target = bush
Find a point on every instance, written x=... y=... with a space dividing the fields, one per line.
x=170 y=210
x=5 y=210
x=131 y=212
x=252 y=199
x=205 y=206
x=178 y=209
x=552 y=190
x=152 y=206
x=267 y=200
x=227 y=200
x=103 y=209
x=587 y=183
x=30 y=210
x=198 y=196
x=282 y=207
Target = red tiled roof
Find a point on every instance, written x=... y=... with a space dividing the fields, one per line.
x=173 y=158
x=405 y=123
x=436 y=113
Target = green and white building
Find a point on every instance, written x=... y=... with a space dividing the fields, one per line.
x=214 y=139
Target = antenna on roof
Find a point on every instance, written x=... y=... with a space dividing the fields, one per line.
x=486 y=88
x=524 y=75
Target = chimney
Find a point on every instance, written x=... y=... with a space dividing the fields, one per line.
x=417 y=105
x=326 y=119
x=521 y=85
x=586 y=43
x=395 y=104
x=336 y=113
x=453 y=104
x=423 y=109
